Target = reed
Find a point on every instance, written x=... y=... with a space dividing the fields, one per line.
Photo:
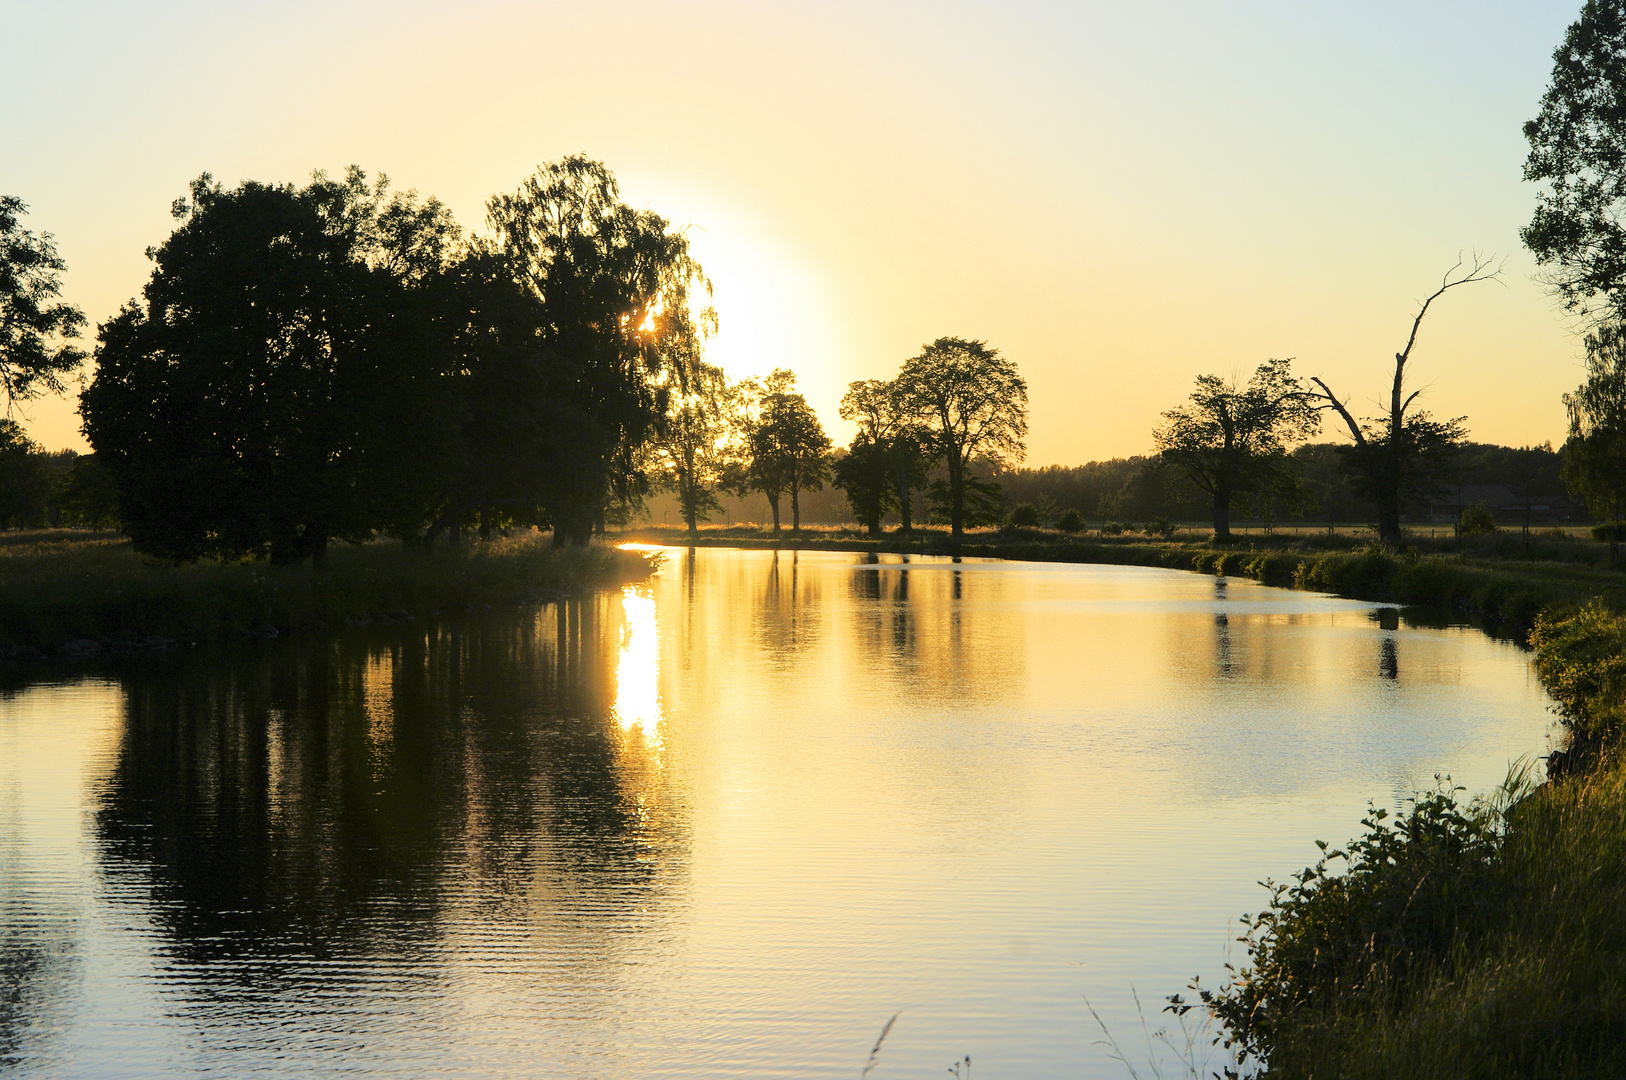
x=61 y=587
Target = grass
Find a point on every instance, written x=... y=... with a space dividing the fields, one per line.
x=61 y=586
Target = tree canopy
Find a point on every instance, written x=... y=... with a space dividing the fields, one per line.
x=1578 y=150
x=274 y=390
x=973 y=404
x=1595 y=453
x=1233 y=442
x=37 y=331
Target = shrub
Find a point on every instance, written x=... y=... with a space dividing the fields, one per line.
x=1476 y=519
x=1414 y=888
x=1581 y=660
x=1161 y=527
x=1609 y=531
x=1024 y=516
x=1071 y=522
x=1112 y=528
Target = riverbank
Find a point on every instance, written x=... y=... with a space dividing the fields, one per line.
x=1501 y=578
x=69 y=592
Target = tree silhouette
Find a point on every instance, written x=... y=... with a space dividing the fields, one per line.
x=255 y=403
x=615 y=285
x=786 y=448
x=1403 y=453
x=1595 y=452
x=888 y=457
x=36 y=333
x=973 y=404
x=1232 y=442
x=1578 y=148
x=696 y=446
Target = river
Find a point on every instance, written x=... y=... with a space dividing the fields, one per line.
x=724 y=824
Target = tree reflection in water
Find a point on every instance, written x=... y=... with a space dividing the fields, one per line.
x=390 y=804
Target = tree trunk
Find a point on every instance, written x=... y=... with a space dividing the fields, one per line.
x=1222 y=514
x=956 y=500
x=773 y=504
x=486 y=515
x=904 y=507
x=795 y=508
x=691 y=515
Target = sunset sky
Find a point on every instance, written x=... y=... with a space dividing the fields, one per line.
x=1117 y=196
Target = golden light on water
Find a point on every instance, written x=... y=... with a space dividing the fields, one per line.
x=637 y=670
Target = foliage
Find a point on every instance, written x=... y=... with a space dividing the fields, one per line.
x=1476 y=519
x=1578 y=147
x=615 y=286
x=1161 y=527
x=1375 y=930
x=36 y=331
x=255 y=403
x=976 y=503
x=889 y=455
x=1024 y=516
x=1595 y=452
x=786 y=449
x=695 y=448
x=1070 y=522
x=973 y=404
x=1581 y=660
x=60 y=587
x=1233 y=442
x=1112 y=528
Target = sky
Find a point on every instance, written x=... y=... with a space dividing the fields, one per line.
x=1119 y=197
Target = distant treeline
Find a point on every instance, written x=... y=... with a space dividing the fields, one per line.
x=1140 y=489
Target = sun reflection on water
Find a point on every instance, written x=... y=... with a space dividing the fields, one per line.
x=637 y=671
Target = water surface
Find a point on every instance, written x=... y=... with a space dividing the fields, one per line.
x=725 y=824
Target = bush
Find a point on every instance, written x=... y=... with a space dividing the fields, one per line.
x=1112 y=528
x=1071 y=522
x=1414 y=888
x=1161 y=527
x=1024 y=516
x=1609 y=531
x=1581 y=660
x=1476 y=519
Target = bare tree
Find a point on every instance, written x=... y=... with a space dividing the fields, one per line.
x=1397 y=454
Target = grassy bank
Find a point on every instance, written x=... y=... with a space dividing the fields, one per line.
x=62 y=587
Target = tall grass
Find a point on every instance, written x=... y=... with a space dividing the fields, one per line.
x=56 y=588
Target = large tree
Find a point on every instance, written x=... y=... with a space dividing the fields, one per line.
x=275 y=390
x=615 y=285
x=37 y=331
x=1233 y=441
x=1403 y=453
x=1578 y=150
x=1595 y=453
x=973 y=405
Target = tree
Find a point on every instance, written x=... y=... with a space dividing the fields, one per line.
x=786 y=448
x=1402 y=453
x=276 y=389
x=973 y=404
x=1233 y=443
x=36 y=334
x=615 y=286
x=1595 y=452
x=696 y=446
x=22 y=476
x=888 y=458
x=1578 y=148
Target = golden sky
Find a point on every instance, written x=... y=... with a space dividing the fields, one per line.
x=1118 y=196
